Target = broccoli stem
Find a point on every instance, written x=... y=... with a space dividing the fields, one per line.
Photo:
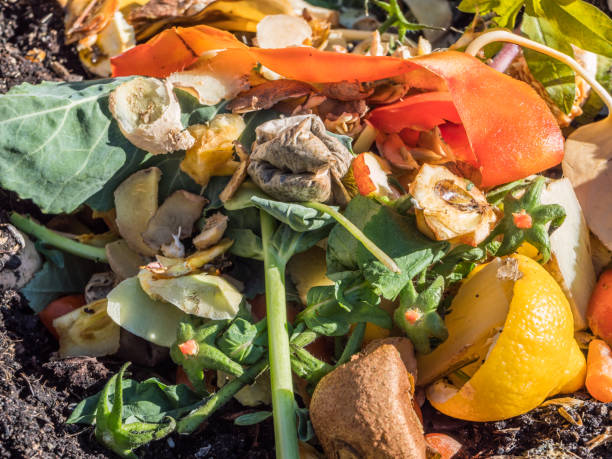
x=283 y=402
x=194 y=419
x=357 y=234
x=50 y=237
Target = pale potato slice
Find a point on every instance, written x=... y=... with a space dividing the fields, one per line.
x=571 y=263
x=136 y=203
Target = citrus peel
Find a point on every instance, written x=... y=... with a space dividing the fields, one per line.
x=534 y=357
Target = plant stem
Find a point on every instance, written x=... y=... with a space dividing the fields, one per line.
x=50 y=237
x=353 y=344
x=194 y=419
x=357 y=234
x=283 y=402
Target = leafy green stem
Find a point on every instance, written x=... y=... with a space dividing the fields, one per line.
x=44 y=234
x=353 y=344
x=194 y=419
x=283 y=402
x=357 y=234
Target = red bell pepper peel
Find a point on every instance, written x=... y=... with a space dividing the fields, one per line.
x=420 y=112
x=509 y=128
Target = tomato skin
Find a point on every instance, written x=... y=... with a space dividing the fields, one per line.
x=361 y=172
x=599 y=371
x=445 y=445
x=58 y=308
x=599 y=312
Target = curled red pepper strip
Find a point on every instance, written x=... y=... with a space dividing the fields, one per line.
x=420 y=112
x=510 y=129
x=456 y=138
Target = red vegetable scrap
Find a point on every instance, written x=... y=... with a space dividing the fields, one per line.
x=522 y=219
x=189 y=348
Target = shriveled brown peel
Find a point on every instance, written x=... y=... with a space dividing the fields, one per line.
x=588 y=150
x=363 y=409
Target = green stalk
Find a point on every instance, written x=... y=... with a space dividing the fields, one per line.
x=283 y=402
x=353 y=344
x=357 y=234
x=50 y=237
x=194 y=419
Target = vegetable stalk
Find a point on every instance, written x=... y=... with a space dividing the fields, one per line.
x=50 y=237
x=283 y=403
x=356 y=233
x=194 y=419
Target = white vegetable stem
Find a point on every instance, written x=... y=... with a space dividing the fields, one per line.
x=502 y=35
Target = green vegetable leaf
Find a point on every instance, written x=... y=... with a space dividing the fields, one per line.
x=557 y=78
x=173 y=178
x=122 y=438
x=341 y=256
x=504 y=11
x=53 y=281
x=247 y=244
x=252 y=120
x=305 y=430
x=147 y=401
x=193 y=112
x=243 y=341
x=345 y=139
x=395 y=234
x=250 y=419
x=332 y=309
x=214 y=188
x=583 y=24
x=250 y=273
x=59 y=142
x=286 y=242
x=298 y=217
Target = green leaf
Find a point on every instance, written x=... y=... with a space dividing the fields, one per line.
x=193 y=112
x=557 y=78
x=298 y=217
x=251 y=273
x=305 y=430
x=286 y=242
x=59 y=144
x=243 y=341
x=345 y=140
x=173 y=178
x=583 y=24
x=332 y=309
x=250 y=419
x=147 y=401
x=213 y=189
x=341 y=255
x=395 y=234
x=505 y=11
x=132 y=309
x=53 y=281
x=252 y=120
x=247 y=244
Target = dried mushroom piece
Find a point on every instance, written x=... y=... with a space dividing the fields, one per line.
x=295 y=159
x=212 y=232
x=149 y=115
x=175 y=216
x=363 y=409
x=450 y=207
x=268 y=94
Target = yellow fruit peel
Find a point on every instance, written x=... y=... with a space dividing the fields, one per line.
x=528 y=363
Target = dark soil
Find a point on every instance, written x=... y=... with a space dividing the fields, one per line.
x=38 y=392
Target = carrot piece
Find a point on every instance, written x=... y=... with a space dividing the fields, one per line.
x=599 y=312
x=599 y=371
x=58 y=308
x=445 y=445
x=361 y=172
x=189 y=347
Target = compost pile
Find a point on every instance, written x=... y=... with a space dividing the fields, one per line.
x=39 y=391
